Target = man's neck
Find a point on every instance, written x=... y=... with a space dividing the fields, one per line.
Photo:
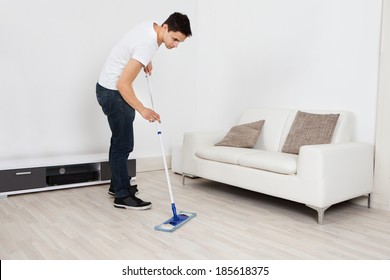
x=159 y=31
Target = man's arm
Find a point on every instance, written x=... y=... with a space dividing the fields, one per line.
x=125 y=87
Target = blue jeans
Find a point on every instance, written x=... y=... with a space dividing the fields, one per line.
x=120 y=117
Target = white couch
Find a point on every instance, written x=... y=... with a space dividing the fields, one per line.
x=319 y=176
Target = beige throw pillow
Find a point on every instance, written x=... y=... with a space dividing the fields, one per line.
x=310 y=129
x=242 y=136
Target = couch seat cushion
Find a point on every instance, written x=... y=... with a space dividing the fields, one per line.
x=272 y=161
x=224 y=154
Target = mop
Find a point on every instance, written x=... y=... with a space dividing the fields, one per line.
x=178 y=219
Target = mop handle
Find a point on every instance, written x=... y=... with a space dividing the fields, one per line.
x=162 y=147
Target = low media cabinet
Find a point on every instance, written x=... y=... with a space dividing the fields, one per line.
x=43 y=174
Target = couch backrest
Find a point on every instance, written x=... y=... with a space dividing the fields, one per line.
x=279 y=121
x=274 y=126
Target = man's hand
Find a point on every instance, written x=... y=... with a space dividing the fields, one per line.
x=150 y=115
x=148 y=68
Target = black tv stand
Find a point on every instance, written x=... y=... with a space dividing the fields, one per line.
x=43 y=174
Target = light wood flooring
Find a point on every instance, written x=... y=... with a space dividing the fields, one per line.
x=231 y=223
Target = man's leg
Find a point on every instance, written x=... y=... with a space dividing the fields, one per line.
x=120 y=117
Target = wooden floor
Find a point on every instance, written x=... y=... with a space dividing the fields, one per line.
x=231 y=223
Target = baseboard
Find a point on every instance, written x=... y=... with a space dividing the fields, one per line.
x=151 y=163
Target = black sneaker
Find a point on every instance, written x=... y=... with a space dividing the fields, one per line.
x=131 y=202
x=133 y=190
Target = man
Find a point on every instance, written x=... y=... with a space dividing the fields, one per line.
x=119 y=102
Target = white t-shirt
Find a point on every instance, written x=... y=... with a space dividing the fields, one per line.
x=139 y=43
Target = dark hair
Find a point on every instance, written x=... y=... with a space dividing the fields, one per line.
x=179 y=22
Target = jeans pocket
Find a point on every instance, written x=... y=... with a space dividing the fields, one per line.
x=103 y=98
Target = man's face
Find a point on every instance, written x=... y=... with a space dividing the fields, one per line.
x=173 y=39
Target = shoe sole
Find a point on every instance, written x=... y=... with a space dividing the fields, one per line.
x=113 y=194
x=146 y=207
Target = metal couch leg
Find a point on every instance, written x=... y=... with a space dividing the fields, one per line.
x=320 y=211
x=186 y=175
x=183 y=177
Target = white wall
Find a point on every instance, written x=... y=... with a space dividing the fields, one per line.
x=51 y=54
x=251 y=53
x=288 y=53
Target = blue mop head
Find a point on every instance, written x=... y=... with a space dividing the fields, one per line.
x=175 y=222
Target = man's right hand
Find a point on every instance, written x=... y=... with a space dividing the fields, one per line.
x=150 y=115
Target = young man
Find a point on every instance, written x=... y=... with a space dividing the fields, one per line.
x=119 y=102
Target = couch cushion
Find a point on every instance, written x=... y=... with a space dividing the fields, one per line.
x=270 y=161
x=253 y=158
x=223 y=154
x=242 y=136
x=310 y=129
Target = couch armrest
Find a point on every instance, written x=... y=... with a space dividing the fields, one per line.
x=346 y=170
x=192 y=142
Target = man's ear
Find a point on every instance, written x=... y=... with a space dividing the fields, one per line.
x=165 y=27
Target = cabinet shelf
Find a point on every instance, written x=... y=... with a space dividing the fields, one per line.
x=43 y=174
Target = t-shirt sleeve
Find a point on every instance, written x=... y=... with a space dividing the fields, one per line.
x=143 y=54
